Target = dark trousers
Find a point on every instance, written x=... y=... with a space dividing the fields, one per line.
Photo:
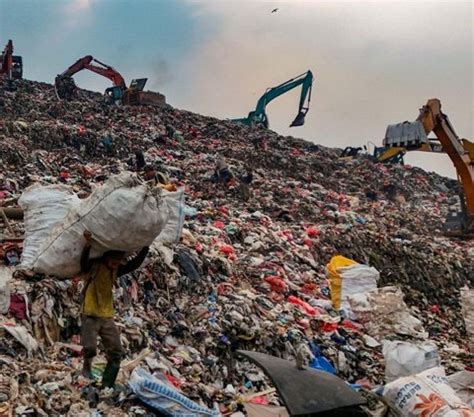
x=105 y=327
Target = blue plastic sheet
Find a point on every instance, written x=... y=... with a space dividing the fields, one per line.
x=164 y=398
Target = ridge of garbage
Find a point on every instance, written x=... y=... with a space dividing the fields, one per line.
x=195 y=307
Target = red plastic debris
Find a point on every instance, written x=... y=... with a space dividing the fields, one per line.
x=312 y=232
x=227 y=249
x=435 y=309
x=276 y=283
x=308 y=242
x=303 y=304
x=328 y=327
x=219 y=224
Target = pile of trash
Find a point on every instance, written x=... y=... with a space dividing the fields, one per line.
x=337 y=264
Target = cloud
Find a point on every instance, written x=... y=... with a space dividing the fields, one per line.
x=75 y=14
x=374 y=64
x=77 y=6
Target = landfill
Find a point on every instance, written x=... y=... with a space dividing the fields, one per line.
x=248 y=272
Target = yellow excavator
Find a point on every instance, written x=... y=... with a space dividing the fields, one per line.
x=413 y=136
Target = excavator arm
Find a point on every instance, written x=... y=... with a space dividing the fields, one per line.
x=104 y=70
x=65 y=86
x=414 y=136
x=259 y=116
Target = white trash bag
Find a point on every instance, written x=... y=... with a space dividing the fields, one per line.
x=405 y=358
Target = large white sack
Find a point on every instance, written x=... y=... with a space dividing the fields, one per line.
x=44 y=208
x=405 y=358
x=357 y=279
x=124 y=214
x=426 y=394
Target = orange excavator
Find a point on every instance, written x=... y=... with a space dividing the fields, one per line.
x=11 y=65
x=118 y=94
x=413 y=136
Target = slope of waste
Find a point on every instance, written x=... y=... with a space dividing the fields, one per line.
x=193 y=304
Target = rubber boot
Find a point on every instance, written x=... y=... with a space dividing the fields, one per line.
x=110 y=374
x=87 y=368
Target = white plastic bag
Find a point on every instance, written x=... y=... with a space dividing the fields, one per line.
x=124 y=214
x=426 y=394
x=21 y=334
x=5 y=276
x=357 y=279
x=404 y=358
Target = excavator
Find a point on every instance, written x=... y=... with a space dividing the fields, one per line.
x=11 y=65
x=258 y=117
x=118 y=94
x=413 y=136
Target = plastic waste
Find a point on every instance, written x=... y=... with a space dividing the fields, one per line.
x=165 y=398
x=276 y=283
x=383 y=312
x=404 y=358
x=303 y=304
x=347 y=277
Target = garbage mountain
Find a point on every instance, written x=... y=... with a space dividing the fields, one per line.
x=250 y=269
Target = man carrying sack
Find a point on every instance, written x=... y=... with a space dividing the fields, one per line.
x=100 y=275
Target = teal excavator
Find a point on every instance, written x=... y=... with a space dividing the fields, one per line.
x=258 y=117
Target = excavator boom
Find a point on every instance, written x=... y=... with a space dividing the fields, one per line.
x=414 y=136
x=11 y=65
x=259 y=116
x=86 y=62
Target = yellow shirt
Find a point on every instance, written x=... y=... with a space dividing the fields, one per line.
x=98 y=299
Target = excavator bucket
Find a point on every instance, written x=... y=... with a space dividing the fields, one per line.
x=299 y=120
x=409 y=135
x=138 y=84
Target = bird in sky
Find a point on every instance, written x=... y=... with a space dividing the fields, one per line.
x=275 y=10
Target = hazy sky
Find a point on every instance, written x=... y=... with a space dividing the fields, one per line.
x=375 y=62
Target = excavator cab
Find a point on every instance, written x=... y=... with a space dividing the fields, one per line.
x=17 y=67
x=113 y=95
x=390 y=155
x=257 y=119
